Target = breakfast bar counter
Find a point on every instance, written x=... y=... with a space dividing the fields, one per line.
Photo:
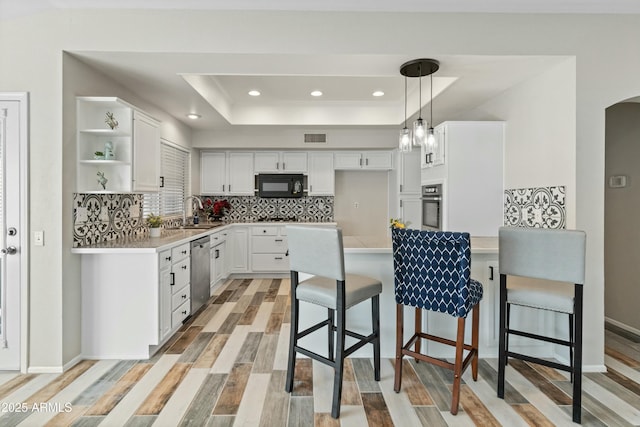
x=372 y=256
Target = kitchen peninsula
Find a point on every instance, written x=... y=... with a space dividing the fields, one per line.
x=135 y=292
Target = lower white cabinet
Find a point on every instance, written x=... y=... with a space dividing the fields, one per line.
x=269 y=249
x=238 y=249
x=175 y=277
x=218 y=265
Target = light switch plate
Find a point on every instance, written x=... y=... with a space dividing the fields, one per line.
x=38 y=238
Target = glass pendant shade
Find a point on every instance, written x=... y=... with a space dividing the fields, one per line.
x=431 y=137
x=419 y=132
x=404 y=143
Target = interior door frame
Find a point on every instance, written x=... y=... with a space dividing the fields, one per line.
x=23 y=99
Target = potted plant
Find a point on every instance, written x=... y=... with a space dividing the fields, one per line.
x=154 y=222
x=98 y=155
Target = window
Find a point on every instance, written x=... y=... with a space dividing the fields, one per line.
x=174 y=170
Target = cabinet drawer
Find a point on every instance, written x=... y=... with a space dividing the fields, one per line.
x=217 y=238
x=181 y=274
x=269 y=244
x=265 y=231
x=180 y=297
x=270 y=262
x=179 y=314
x=180 y=252
x=165 y=259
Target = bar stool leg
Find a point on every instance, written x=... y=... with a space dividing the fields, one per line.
x=475 y=325
x=399 y=339
x=331 y=337
x=293 y=339
x=375 y=319
x=502 y=351
x=339 y=360
x=457 y=369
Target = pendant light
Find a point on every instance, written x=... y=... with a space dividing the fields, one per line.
x=419 y=127
x=431 y=137
x=404 y=143
x=419 y=68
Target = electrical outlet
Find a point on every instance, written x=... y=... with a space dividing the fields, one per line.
x=38 y=238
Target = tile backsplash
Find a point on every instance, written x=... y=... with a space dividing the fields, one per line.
x=251 y=208
x=540 y=207
x=104 y=217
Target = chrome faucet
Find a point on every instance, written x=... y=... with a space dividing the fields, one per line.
x=184 y=211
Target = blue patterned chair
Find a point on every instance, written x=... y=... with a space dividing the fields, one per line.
x=432 y=272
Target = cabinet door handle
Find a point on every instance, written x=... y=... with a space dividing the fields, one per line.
x=167 y=258
x=184 y=252
x=283 y=166
x=264 y=231
x=173 y=279
x=184 y=312
x=310 y=188
x=184 y=267
x=217 y=254
x=223 y=188
x=400 y=203
x=366 y=163
x=277 y=165
x=278 y=257
x=360 y=161
x=401 y=188
x=279 y=240
x=490 y=272
x=161 y=181
x=184 y=296
x=229 y=188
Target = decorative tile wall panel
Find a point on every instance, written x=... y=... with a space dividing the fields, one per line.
x=251 y=208
x=540 y=207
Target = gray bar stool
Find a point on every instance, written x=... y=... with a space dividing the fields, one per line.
x=554 y=256
x=319 y=251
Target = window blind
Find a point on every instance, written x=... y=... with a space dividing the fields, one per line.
x=174 y=170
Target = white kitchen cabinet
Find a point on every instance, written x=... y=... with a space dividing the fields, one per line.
x=411 y=212
x=217 y=259
x=226 y=173
x=146 y=153
x=280 y=162
x=433 y=154
x=408 y=170
x=321 y=174
x=269 y=249
x=471 y=177
x=135 y=141
x=165 y=294
x=238 y=249
x=213 y=172
x=351 y=160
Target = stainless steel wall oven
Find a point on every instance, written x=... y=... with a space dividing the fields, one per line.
x=432 y=207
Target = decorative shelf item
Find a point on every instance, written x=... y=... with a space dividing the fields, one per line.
x=102 y=180
x=111 y=121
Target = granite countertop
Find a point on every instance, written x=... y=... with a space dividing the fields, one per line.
x=169 y=238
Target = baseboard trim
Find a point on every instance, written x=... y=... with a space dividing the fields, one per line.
x=622 y=326
x=55 y=369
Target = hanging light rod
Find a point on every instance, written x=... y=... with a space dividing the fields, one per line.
x=419 y=67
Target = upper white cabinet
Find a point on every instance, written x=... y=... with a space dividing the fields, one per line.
x=433 y=154
x=363 y=160
x=321 y=174
x=227 y=173
x=280 y=162
x=408 y=170
x=117 y=155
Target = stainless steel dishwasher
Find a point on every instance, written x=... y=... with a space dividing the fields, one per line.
x=199 y=273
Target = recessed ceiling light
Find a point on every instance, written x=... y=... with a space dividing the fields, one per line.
x=193 y=116
x=378 y=93
x=316 y=93
x=254 y=93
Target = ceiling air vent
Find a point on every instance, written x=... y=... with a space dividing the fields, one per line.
x=315 y=138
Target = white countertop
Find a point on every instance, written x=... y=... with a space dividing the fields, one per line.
x=382 y=244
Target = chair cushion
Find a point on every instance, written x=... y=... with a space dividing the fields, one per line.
x=544 y=294
x=322 y=291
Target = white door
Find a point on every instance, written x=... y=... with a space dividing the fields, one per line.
x=13 y=125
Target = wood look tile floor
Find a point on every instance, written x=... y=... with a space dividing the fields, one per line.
x=227 y=367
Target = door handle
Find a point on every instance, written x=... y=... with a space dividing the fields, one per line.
x=11 y=250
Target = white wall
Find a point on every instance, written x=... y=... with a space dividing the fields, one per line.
x=540 y=116
x=369 y=190
x=293 y=138
x=622 y=207
x=31 y=61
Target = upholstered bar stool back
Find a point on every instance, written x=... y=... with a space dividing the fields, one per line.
x=318 y=250
x=432 y=272
x=553 y=256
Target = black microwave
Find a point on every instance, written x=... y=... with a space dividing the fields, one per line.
x=280 y=185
